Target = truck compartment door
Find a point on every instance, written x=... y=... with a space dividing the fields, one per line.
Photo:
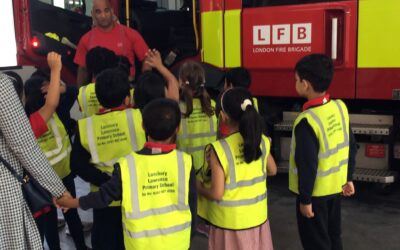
x=276 y=37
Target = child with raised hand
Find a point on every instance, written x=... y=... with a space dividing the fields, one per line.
x=154 y=183
x=41 y=103
x=199 y=123
x=153 y=60
x=232 y=184
x=157 y=83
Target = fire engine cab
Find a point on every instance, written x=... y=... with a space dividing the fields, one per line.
x=267 y=37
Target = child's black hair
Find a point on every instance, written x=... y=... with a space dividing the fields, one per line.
x=161 y=118
x=149 y=86
x=99 y=59
x=17 y=82
x=123 y=64
x=238 y=77
x=233 y=101
x=193 y=79
x=42 y=73
x=317 y=69
x=34 y=98
x=112 y=87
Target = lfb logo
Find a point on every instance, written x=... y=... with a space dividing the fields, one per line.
x=298 y=33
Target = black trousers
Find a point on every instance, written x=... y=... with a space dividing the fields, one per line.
x=47 y=223
x=107 y=229
x=323 y=231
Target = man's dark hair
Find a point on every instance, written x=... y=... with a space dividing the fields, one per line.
x=317 y=69
x=99 y=59
x=112 y=87
x=238 y=77
x=161 y=117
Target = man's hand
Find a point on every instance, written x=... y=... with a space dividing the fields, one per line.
x=306 y=210
x=348 y=189
x=54 y=61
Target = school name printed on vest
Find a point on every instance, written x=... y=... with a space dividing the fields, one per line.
x=157 y=184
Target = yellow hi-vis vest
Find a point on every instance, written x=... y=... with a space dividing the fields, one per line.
x=244 y=203
x=88 y=102
x=196 y=131
x=330 y=123
x=110 y=136
x=155 y=207
x=56 y=146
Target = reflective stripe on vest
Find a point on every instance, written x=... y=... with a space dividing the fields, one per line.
x=186 y=135
x=245 y=186
x=57 y=138
x=233 y=184
x=56 y=145
x=155 y=192
x=92 y=143
x=109 y=136
x=333 y=150
x=196 y=132
x=136 y=213
x=330 y=151
x=88 y=101
x=158 y=231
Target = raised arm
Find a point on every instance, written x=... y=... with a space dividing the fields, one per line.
x=18 y=137
x=53 y=90
x=153 y=60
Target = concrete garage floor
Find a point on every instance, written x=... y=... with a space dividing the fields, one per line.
x=370 y=220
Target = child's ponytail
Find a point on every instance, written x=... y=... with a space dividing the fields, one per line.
x=192 y=78
x=187 y=97
x=250 y=127
x=237 y=104
x=205 y=101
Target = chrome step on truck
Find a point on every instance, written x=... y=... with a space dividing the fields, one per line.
x=372 y=133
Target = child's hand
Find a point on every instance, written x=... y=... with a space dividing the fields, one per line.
x=348 y=189
x=66 y=202
x=153 y=59
x=306 y=210
x=54 y=61
x=199 y=184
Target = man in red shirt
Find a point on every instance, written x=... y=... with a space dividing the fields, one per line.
x=111 y=35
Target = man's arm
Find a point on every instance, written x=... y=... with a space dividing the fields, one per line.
x=80 y=60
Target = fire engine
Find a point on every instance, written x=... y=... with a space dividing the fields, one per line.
x=265 y=36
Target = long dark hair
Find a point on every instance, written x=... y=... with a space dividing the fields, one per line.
x=34 y=98
x=238 y=105
x=193 y=78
